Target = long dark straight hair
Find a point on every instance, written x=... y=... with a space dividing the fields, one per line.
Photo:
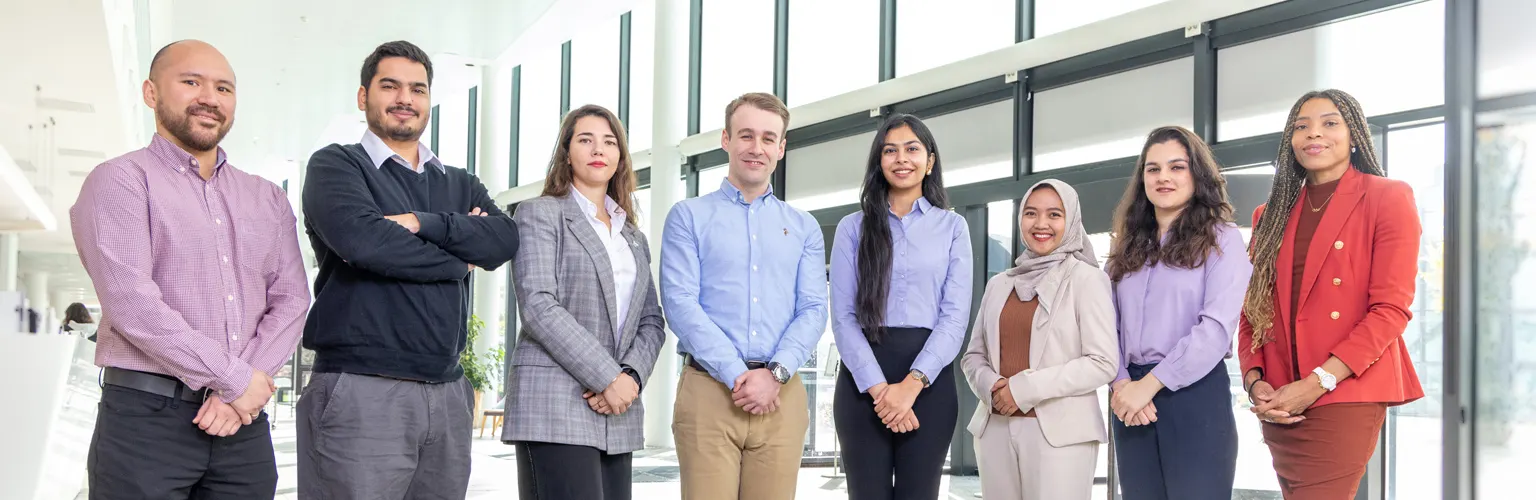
x=1192 y=235
x=875 y=235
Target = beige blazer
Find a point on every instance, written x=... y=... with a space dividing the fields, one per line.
x=1073 y=351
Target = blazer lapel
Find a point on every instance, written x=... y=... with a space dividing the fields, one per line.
x=590 y=242
x=637 y=296
x=1283 y=279
x=1326 y=239
x=1046 y=294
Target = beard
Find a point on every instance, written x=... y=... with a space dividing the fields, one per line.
x=380 y=122
x=191 y=135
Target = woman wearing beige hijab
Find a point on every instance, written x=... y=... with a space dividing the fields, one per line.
x=1044 y=340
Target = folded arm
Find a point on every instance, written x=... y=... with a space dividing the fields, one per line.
x=339 y=208
x=487 y=242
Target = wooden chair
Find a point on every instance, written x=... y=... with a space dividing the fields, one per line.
x=495 y=413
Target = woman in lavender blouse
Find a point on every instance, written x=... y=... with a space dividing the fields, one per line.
x=1180 y=268
x=901 y=293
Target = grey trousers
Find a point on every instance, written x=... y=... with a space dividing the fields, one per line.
x=367 y=437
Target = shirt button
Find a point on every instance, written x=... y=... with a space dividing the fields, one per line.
x=754 y=333
x=218 y=221
x=754 y=268
x=226 y=259
x=754 y=299
x=231 y=298
x=754 y=237
x=234 y=337
x=1334 y=315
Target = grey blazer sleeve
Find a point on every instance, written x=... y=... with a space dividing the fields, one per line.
x=547 y=321
x=649 y=335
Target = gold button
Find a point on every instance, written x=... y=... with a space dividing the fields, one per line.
x=1338 y=245
x=1334 y=315
x=1337 y=282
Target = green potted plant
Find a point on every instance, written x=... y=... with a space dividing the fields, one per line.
x=482 y=370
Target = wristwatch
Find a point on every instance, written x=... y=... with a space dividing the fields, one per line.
x=918 y=374
x=780 y=373
x=1327 y=380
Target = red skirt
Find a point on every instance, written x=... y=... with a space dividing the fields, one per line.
x=1324 y=456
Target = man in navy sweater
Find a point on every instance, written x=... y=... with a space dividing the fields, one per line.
x=396 y=233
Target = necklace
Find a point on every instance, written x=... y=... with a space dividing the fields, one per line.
x=1324 y=205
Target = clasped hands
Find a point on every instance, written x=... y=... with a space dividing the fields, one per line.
x=221 y=419
x=1131 y=400
x=893 y=403
x=756 y=391
x=1286 y=405
x=616 y=398
x=411 y=223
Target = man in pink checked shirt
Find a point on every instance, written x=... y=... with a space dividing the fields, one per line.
x=203 y=295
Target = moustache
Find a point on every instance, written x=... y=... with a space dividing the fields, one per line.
x=407 y=109
x=197 y=109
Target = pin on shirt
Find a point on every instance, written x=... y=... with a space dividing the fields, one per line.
x=786 y=231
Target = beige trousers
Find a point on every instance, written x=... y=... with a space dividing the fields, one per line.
x=1017 y=464
x=725 y=453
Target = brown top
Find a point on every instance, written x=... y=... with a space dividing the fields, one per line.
x=1317 y=198
x=1015 y=326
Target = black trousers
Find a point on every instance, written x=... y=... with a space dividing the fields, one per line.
x=871 y=453
x=550 y=471
x=1190 y=453
x=146 y=446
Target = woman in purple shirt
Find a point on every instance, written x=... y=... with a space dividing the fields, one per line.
x=1180 y=269
x=901 y=294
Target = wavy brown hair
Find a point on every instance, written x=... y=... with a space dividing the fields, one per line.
x=560 y=175
x=1269 y=230
x=1192 y=235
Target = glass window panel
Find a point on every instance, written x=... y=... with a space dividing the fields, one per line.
x=1404 y=70
x=975 y=144
x=834 y=47
x=1109 y=117
x=737 y=55
x=595 y=66
x=710 y=179
x=1002 y=219
x=1417 y=156
x=1505 y=362
x=453 y=125
x=1053 y=16
x=1505 y=48
x=932 y=33
x=539 y=115
x=642 y=71
x=828 y=174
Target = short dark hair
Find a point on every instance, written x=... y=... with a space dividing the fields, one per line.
x=397 y=48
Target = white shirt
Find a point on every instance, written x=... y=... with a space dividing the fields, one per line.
x=620 y=256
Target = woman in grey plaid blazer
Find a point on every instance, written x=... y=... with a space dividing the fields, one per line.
x=592 y=326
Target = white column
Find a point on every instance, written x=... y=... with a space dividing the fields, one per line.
x=670 y=93
x=10 y=254
x=491 y=166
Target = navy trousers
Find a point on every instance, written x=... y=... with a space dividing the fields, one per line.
x=1190 y=453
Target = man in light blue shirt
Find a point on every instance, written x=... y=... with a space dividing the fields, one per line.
x=744 y=286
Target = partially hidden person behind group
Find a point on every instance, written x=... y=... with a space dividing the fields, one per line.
x=1179 y=268
x=592 y=325
x=77 y=321
x=744 y=286
x=1335 y=259
x=1042 y=345
x=203 y=296
x=395 y=234
x=901 y=295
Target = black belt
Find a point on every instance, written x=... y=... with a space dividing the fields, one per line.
x=159 y=385
x=751 y=365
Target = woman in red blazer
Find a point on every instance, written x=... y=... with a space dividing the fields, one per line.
x=1334 y=264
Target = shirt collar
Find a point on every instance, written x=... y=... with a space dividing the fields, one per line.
x=613 y=208
x=920 y=206
x=163 y=148
x=379 y=153
x=731 y=193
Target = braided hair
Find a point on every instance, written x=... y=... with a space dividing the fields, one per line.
x=1269 y=230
